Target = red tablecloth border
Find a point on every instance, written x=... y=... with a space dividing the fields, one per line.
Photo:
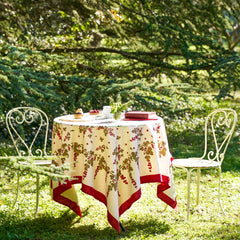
x=164 y=184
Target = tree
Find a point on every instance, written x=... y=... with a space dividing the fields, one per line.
x=153 y=41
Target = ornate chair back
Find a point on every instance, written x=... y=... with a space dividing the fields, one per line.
x=219 y=128
x=28 y=127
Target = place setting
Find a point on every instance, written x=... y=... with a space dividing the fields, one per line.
x=107 y=115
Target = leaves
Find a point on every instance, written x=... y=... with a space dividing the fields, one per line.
x=123 y=39
x=12 y=164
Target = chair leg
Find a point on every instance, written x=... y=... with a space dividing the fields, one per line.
x=219 y=192
x=198 y=185
x=37 y=195
x=188 y=192
x=18 y=185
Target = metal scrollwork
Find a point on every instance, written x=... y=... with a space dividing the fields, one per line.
x=211 y=155
x=27 y=115
x=221 y=121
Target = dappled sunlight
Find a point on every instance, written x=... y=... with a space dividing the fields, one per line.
x=146 y=219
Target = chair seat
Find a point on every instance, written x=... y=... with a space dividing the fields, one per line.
x=39 y=162
x=43 y=162
x=195 y=163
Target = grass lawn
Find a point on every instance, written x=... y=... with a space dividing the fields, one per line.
x=146 y=219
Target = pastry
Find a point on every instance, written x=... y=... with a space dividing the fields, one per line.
x=94 y=112
x=78 y=114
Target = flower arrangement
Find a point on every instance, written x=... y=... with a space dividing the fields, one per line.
x=118 y=107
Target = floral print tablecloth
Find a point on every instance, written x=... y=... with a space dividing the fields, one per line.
x=111 y=160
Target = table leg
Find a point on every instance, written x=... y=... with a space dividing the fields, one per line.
x=122 y=227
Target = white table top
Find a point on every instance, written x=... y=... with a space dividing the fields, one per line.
x=99 y=120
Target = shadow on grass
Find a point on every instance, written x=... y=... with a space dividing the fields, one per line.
x=145 y=228
x=70 y=226
x=226 y=230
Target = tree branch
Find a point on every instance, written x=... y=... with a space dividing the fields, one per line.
x=137 y=55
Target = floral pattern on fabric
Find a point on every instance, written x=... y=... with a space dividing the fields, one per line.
x=121 y=157
x=112 y=161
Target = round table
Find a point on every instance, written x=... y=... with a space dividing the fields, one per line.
x=111 y=159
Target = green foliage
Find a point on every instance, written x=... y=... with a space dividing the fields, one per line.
x=10 y=165
x=173 y=41
x=22 y=85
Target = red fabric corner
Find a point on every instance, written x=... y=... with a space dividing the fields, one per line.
x=126 y=205
x=114 y=222
x=164 y=185
x=102 y=198
x=171 y=202
x=65 y=201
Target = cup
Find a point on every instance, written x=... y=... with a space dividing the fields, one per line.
x=107 y=111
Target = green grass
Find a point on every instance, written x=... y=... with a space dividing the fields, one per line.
x=146 y=219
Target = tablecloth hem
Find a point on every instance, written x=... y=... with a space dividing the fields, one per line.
x=127 y=204
x=102 y=198
x=113 y=222
x=66 y=201
x=151 y=178
x=169 y=201
x=94 y=193
x=164 y=185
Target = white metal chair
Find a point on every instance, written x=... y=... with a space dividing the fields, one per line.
x=219 y=128
x=36 y=123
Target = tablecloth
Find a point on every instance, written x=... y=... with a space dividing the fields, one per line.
x=111 y=159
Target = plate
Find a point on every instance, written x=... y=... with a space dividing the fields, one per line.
x=86 y=117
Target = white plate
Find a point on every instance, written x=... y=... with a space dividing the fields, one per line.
x=86 y=117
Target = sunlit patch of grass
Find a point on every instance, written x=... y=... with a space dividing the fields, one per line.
x=146 y=219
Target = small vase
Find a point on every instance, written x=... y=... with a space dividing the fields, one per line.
x=117 y=115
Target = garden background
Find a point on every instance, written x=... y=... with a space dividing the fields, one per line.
x=178 y=58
